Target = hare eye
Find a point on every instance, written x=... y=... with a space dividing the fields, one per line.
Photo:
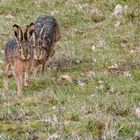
x=40 y=43
x=19 y=45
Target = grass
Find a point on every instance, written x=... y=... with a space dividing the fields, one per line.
x=103 y=105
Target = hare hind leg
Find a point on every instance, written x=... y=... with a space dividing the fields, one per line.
x=50 y=53
x=18 y=71
x=57 y=33
x=5 y=78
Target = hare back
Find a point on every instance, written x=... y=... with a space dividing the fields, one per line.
x=10 y=49
x=47 y=26
x=14 y=51
x=41 y=20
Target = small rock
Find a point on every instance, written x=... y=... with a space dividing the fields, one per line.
x=93 y=47
x=1 y=62
x=91 y=74
x=137 y=111
x=80 y=82
x=65 y=78
x=118 y=23
x=137 y=134
x=9 y=17
x=66 y=122
x=101 y=44
x=101 y=82
x=77 y=61
x=132 y=51
x=54 y=136
x=54 y=13
x=118 y=11
x=54 y=107
x=111 y=89
x=2 y=51
x=88 y=74
x=94 y=61
x=100 y=87
x=113 y=66
x=127 y=74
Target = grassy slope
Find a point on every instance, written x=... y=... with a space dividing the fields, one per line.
x=68 y=109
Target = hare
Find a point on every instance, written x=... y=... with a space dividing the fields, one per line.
x=47 y=33
x=18 y=55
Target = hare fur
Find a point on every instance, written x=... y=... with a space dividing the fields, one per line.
x=47 y=33
x=18 y=55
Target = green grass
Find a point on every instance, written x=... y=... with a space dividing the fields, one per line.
x=104 y=105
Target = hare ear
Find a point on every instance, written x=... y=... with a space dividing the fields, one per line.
x=18 y=32
x=42 y=29
x=33 y=39
x=29 y=31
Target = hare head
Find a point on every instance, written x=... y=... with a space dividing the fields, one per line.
x=39 y=45
x=39 y=52
x=23 y=40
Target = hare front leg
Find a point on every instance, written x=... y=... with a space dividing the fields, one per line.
x=5 y=78
x=50 y=53
x=26 y=78
x=18 y=72
x=19 y=84
x=43 y=66
x=35 y=67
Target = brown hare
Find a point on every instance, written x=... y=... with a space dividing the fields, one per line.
x=18 y=55
x=47 y=33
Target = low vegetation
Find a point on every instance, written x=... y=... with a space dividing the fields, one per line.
x=91 y=87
